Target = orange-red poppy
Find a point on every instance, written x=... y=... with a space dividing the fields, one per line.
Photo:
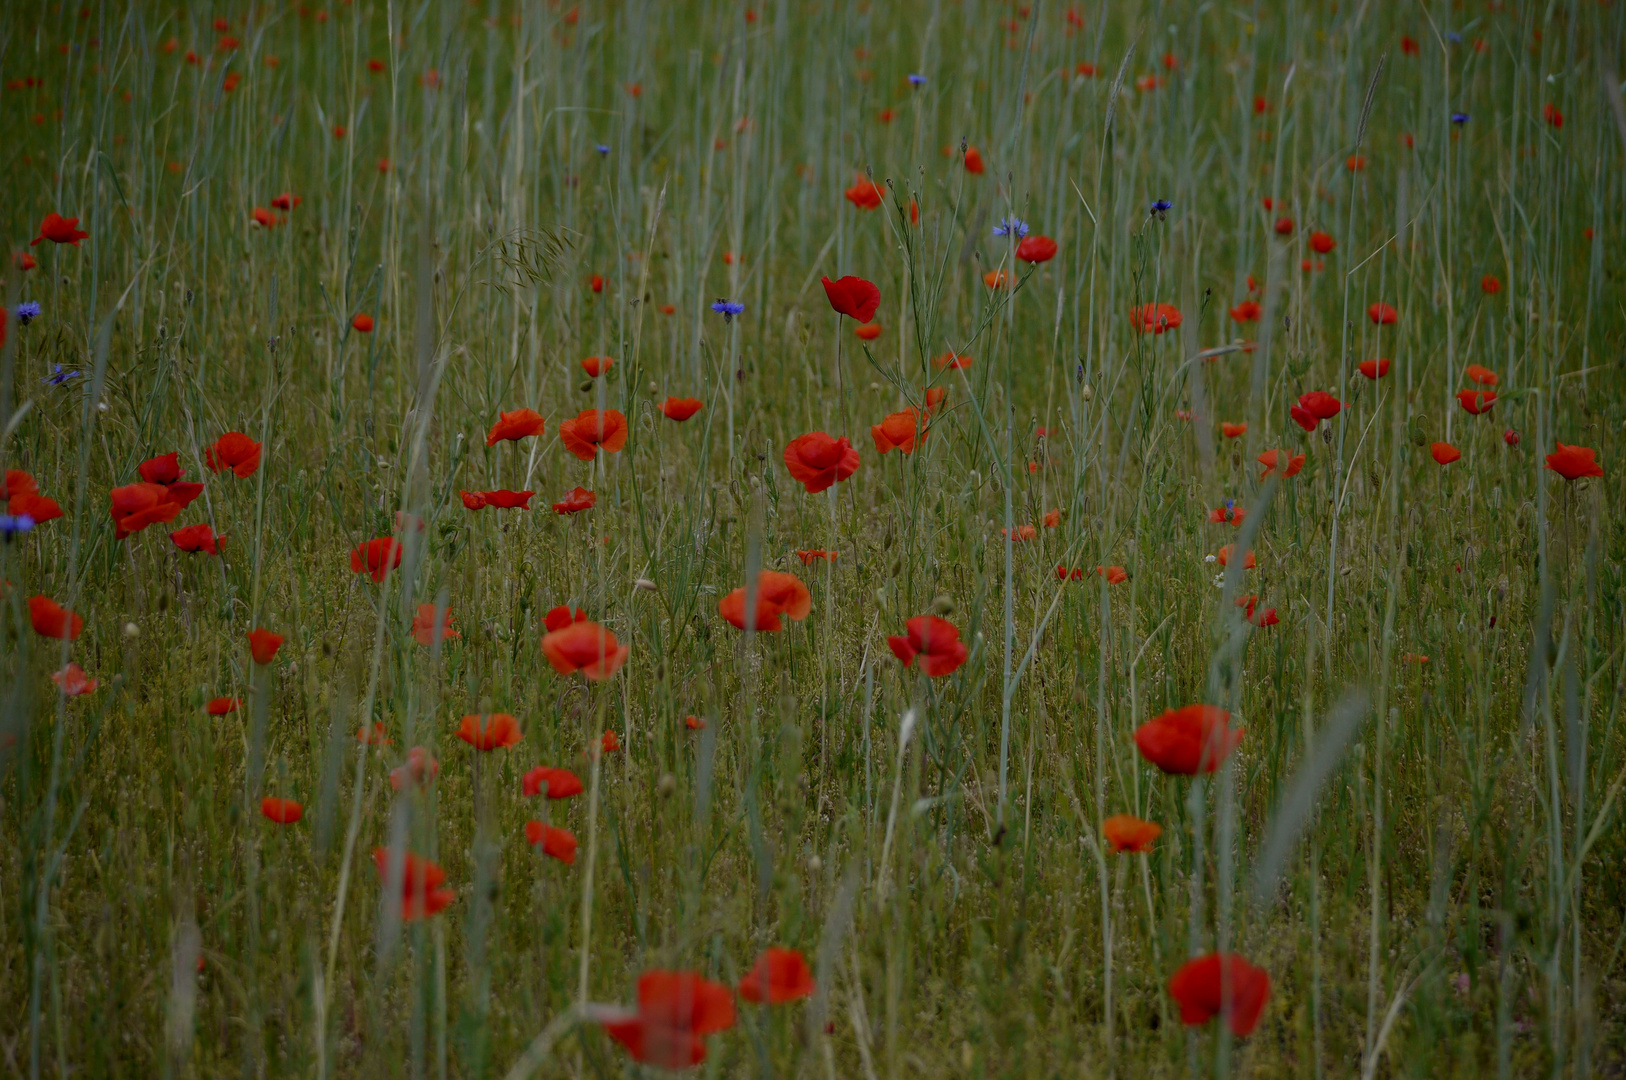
x=1019 y=534
x=73 y=681
x=1490 y=285
x=677 y=1010
x=1036 y=249
x=681 y=408
x=1230 y=514
x=1224 y=556
x=807 y=557
x=899 y=431
x=1314 y=407
x=597 y=365
x=778 y=976
x=1274 y=460
x=1554 y=118
x=998 y=279
x=556 y=783
x=234 y=451
x=1188 y=740
x=1127 y=833
x=1382 y=314
x=281 y=811
x=60 y=230
x=1115 y=575
x=1322 y=243
x=376 y=557
x=1444 y=452
x=596 y=283
x=864 y=194
x=516 y=425
x=1052 y=518
x=868 y=331
x=817 y=460
x=1284 y=226
x=419 y=769
x=952 y=361
x=592 y=429
x=424 y=629
x=195 y=538
x=1233 y=431
x=263 y=645
x=934 y=641
x=973 y=161
x=1482 y=375
x=934 y=397
x=1574 y=462
x=554 y=841
x=609 y=743
x=362 y=323
x=586 y=647
x=19 y=482
x=1247 y=311
x=1476 y=402
x=420 y=881
x=220 y=706
x=562 y=616
x=264 y=218
x=776 y=594
x=1155 y=318
x=1374 y=369
x=36 y=507
x=50 y=619
x=374 y=736
x=1223 y=985
x=490 y=731
x=575 y=501
x=694 y=723
x=1414 y=658
x=853 y=297
x=135 y=506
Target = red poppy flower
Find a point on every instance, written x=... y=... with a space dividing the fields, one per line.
x=1484 y=376
x=362 y=323
x=375 y=65
x=952 y=361
x=899 y=431
x=853 y=297
x=1233 y=431
x=516 y=425
x=1020 y=533
x=421 y=880
x=1355 y=162
x=1322 y=243
x=419 y=769
x=1221 y=984
x=234 y=451
x=1129 y=834
x=694 y=723
x=1570 y=462
x=610 y=743
x=1284 y=226
x=1247 y=311
x=24 y=261
x=339 y=131
x=807 y=557
x=220 y=706
x=1375 y=369
x=1511 y=437
x=554 y=841
x=19 y=482
x=560 y=617
x=778 y=976
x=52 y=620
x=935 y=641
x=676 y=1011
x=263 y=645
x=1155 y=318
x=195 y=538
x=1382 y=314
x=376 y=557
x=934 y=398
x=1115 y=575
x=1408 y=45
x=868 y=332
x=817 y=460
x=281 y=811
x=864 y=194
x=1475 y=402
x=1490 y=285
x=1554 y=118
x=374 y=736
x=996 y=279
x=575 y=501
x=776 y=594
x=1314 y=407
x=37 y=508
x=597 y=365
x=1188 y=740
x=1444 y=452
x=424 y=630
x=681 y=408
x=973 y=161
x=264 y=218
x=559 y=783
x=586 y=647
x=1227 y=515
x=1224 y=556
x=490 y=731
x=74 y=682
x=135 y=506
x=596 y=283
x=1036 y=249
x=1280 y=459
x=1052 y=519
x=60 y=230
x=593 y=429
x=286 y=201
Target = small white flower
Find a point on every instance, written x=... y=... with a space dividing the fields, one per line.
x=1219 y=581
x=1210 y=558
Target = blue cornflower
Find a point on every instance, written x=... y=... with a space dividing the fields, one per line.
x=12 y=525
x=602 y=149
x=728 y=309
x=1160 y=208
x=28 y=312
x=1011 y=226
x=1459 y=118
x=58 y=376
x=917 y=80
x=1453 y=37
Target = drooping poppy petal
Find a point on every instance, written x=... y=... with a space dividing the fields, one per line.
x=1221 y=984
x=575 y=501
x=899 y=431
x=593 y=429
x=1127 y=833
x=1188 y=740
x=1279 y=461
x=60 y=230
x=1444 y=452
x=778 y=976
x=853 y=297
x=263 y=645
x=490 y=731
x=868 y=331
x=50 y=619
x=516 y=425
x=817 y=460
x=597 y=365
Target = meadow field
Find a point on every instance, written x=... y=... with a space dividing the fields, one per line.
x=812 y=539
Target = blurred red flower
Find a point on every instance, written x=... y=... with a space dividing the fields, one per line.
x=778 y=976
x=558 y=783
x=592 y=429
x=586 y=647
x=281 y=811
x=376 y=557
x=776 y=594
x=681 y=408
x=936 y=642
x=420 y=881
x=489 y=731
x=1188 y=740
x=554 y=841
x=1127 y=833
x=676 y=1011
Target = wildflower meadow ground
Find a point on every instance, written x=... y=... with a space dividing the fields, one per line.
x=797 y=538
